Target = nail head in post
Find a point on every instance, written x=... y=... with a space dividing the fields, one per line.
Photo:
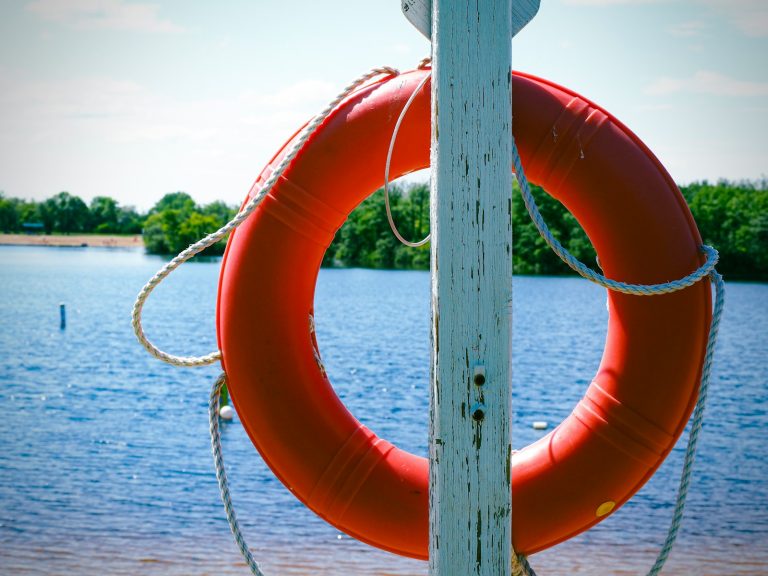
x=478 y=412
x=479 y=375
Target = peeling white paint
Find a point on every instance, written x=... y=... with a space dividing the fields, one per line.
x=470 y=437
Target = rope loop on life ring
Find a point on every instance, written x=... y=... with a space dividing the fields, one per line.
x=521 y=566
x=237 y=220
x=585 y=271
x=391 y=148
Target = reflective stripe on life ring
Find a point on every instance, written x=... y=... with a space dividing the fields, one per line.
x=617 y=435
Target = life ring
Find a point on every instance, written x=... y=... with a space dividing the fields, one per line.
x=617 y=435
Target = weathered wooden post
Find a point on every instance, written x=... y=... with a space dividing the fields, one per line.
x=470 y=438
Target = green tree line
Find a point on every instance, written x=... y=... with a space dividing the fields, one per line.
x=67 y=214
x=172 y=224
x=365 y=240
x=731 y=216
x=176 y=221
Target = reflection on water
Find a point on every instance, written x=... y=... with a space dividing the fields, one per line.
x=105 y=466
x=216 y=555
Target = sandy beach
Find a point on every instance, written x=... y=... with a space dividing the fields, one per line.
x=77 y=240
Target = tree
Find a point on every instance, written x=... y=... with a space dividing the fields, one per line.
x=195 y=227
x=366 y=239
x=159 y=232
x=65 y=213
x=104 y=213
x=9 y=217
x=221 y=211
x=129 y=221
x=180 y=201
x=530 y=253
x=176 y=221
x=733 y=217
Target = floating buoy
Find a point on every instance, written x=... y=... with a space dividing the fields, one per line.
x=540 y=425
x=226 y=412
x=618 y=434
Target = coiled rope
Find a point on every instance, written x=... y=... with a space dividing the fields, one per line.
x=520 y=564
x=521 y=567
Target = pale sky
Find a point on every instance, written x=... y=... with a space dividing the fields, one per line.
x=135 y=99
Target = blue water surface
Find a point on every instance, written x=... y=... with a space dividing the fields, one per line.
x=105 y=465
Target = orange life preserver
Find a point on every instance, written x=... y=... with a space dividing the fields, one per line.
x=617 y=435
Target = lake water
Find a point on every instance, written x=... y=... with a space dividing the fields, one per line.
x=105 y=464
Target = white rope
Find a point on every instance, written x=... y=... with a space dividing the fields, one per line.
x=698 y=419
x=521 y=567
x=392 y=140
x=588 y=273
x=221 y=475
x=239 y=218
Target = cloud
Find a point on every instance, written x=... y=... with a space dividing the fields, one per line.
x=87 y=134
x=688 y=29
x=121 y=111
x=103 y=15
x=292 y=95
x=660 y=107
x=400 y=48
x=708 y=82
x=749 y=16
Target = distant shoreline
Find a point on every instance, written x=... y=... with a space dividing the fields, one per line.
x=73 y=240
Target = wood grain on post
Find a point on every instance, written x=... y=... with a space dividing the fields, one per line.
x=470 y=437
